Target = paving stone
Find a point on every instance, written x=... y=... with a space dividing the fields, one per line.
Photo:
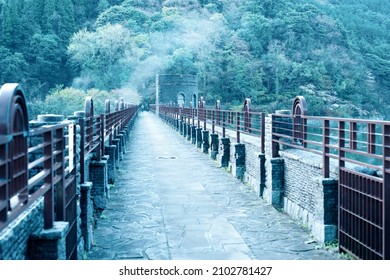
x=170 y=201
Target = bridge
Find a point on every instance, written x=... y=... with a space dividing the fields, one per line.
x=191 y=182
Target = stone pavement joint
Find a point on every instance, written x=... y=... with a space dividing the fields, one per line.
x=170 y=201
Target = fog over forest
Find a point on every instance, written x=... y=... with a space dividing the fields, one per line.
x=334 y=52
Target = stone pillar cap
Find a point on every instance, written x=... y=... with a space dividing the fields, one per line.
x=50 y=118
x=283 y=112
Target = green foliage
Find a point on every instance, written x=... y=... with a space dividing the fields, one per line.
x=103 y=56
x=336 y=53
x=13 y=66
x=69 y=100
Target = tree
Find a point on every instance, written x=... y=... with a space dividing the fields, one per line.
x=13 y=66
x=101 y=56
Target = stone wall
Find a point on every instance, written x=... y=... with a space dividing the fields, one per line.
x=14 y=239
x=169 y=86
x=308 y=197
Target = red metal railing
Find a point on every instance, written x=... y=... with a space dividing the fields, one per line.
x=96 y=130
x=48 y=154
x=359 y=149
x=242 y=122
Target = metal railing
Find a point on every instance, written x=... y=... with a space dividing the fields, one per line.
x=242 y=122
x=46 y=151
x=358 y=149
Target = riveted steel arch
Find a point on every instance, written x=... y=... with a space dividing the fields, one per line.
x=247 y=117
x=89 y=107
x=299 y=111
x=13 y=149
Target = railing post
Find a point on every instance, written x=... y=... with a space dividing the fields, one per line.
x=247 y=115
x=275 y=144
x=238 y=126
x=60 y=158
x=223 y=124
x=217 y=108
x=386 y=191
x=48 y=166
x=263 y=133
x=82 y=151
x=213 y=121
x=325 y=148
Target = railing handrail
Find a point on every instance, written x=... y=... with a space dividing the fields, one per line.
x=48 y=156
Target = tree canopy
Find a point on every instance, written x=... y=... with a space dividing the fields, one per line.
x=335 y=52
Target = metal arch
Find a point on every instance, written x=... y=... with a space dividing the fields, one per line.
x=299 y=107
x=107 y=106
x=247 y=122
x=12 y=96
x=217 y=109
x=247 y=104
x=89 y=107
x=201 y=103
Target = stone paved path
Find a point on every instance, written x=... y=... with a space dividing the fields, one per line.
x=170 y=201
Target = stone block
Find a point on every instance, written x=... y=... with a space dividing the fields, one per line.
x=224 y=157
x=86 y=215
x=49 y=244
x=205 y=142
x=214 y=146
x=98 y=176
x=277 y=173
x=238 y=166
x=193 y=134
x=198 y=137
x=111 y=163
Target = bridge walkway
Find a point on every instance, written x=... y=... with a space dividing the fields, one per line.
x=170 y=201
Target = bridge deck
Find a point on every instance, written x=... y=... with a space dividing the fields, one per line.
x=170 y=201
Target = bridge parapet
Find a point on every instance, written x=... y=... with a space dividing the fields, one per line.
x=56 y=150
x=317 y=169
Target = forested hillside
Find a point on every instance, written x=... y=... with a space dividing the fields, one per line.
x=334 y=52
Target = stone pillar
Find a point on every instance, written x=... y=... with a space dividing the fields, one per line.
x=177 y=124
x=277 y=178
x=326 y=215
x=123 y=140
x=239 y=161
x=225 y=152
x=205 y=143
x=193 y=134
x=198 y=137
x=49 y=244
x=116 y=143
x=86 y=215
x=189 y=130
x=122 y=146
x=98 y=176
x=214 y=146
x=263 y=174
x=181 y=127
x=184 y=128
x=111 y=163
